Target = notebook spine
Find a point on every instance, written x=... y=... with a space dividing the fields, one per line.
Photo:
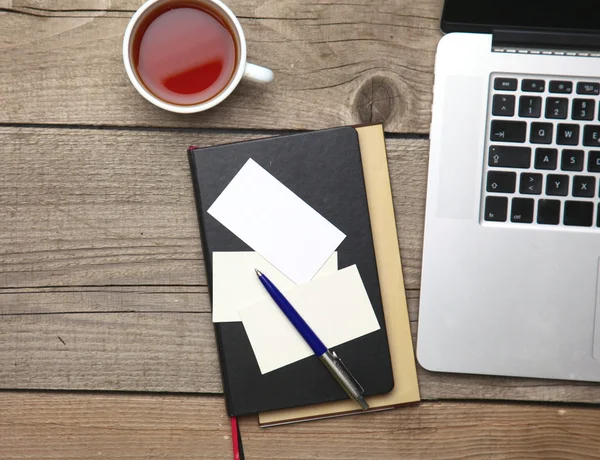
x=208 y=269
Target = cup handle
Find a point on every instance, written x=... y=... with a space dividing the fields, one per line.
x=258 y=74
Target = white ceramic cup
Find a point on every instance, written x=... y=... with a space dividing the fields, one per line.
x=242 y=68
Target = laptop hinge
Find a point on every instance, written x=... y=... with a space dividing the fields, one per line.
x=543 y=41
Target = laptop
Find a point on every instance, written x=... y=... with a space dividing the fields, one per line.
x=511 y=278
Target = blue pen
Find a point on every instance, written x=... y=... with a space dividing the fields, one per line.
x=327 y=357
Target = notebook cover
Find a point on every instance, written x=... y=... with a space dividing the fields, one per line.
x=324 y=169
x=389 y=268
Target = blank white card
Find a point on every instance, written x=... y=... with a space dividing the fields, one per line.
x=235 y=284
x=276 y=223
x=336 y=307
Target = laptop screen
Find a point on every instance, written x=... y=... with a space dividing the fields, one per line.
x=486 y=15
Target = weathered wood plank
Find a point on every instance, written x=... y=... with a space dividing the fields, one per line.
x=172 y=352
x=335 y=63
x=70 y=8
x=128 y=218
x=98 y=207
x=53 y=6
x=91 y=426
x=85 y=426
x=129 y=299
x=116 y=207
x=436 y=431
x=176 y=352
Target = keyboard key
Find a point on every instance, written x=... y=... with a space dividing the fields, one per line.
x=522 y=210
x=557 y=184
x=579 y=213
x=534 y=86
x=591 y=135
x=557 y=108
x=503 y=105
x=572 y=160
x=530 y=106
x=505 y=84
x=583 y=109
x=548 y=212
x=594 y=161
x=541 y=133
x=531 y=184
x=584 y=186
x=565 y=87
x=567 y=134
x=501 y=181
x=588 y=88
x=546 y=158
x=496 y=208
x=503 y=156
x=508 y=131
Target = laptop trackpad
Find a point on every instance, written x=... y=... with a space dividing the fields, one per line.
x=596 y=347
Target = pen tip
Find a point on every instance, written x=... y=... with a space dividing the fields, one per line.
x=362 y=403
x=258 y=272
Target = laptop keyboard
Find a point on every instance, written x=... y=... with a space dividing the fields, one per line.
x=543 y=152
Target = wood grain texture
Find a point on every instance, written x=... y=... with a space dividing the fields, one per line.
x=92 y=426
x=99 y=207
x=89 y=216
x=97 y=222
x=172 y=352
x=436 y=431
x=103 y=299
x=176 y=352
x=120 y=426
x=335 y=63
x=116 y=207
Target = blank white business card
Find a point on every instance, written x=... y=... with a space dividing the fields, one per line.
x=235 y=284
x=276 y=223
x=336 y=307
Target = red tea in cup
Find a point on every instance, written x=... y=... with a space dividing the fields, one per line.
x=184 y=53
x=187 y=56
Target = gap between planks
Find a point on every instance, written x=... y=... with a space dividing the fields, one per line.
x=222 y=131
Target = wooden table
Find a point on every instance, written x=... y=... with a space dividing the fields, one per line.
x=102 y=286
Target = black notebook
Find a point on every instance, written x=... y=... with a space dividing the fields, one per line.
x=324 y=169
